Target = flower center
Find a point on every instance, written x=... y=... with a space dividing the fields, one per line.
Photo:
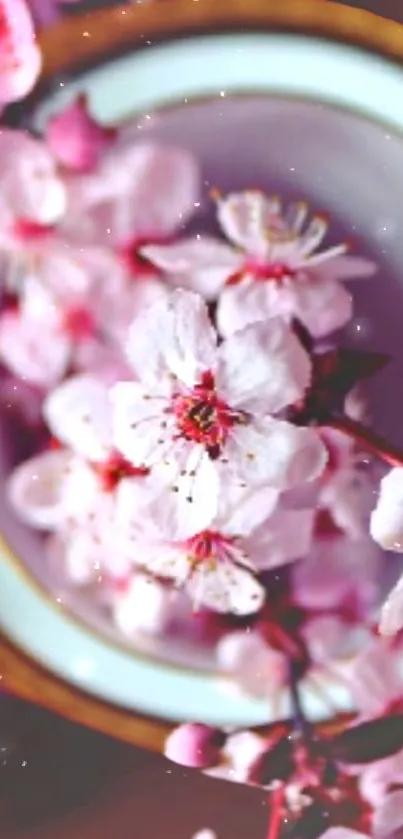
x=276 y=272
x=203 y=417
x=207 y=547
x=30 y=232
x=78 y=322
x=114 y=469
x=134 y=259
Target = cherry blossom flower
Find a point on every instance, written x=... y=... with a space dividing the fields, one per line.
x=200 y=414
x=216 y=565
x=20 y=63
x=75 y=139
x=138 y=193
x=270 y=268
x=73 y=491
x=195 y=745
x=31 y=188
x=73 y=311
x=238 y=755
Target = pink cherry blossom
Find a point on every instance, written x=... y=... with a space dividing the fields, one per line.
x=20 y=62
x=270 y=268
x=216 y=565
x=74 y=490
x=75 y=139
x=31 y=188
x=194 y=745
x=138 y=193
x=200 y=414
x=75 y=308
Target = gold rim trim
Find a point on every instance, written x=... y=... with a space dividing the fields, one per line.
x=78 y=40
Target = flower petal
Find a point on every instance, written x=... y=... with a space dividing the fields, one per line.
x=375 y=678
x=322 y=305
x=269 y=451
x=242 y=510
x=343 y=833
x=388 y=817
x=263 y=368
x=206 y=262
x=34 y=354
x=387 y=518
x=75 y=138
x=225 y=588
x=173 y=336
x=250 y=301
x=392 y=612
x=285 y=536
x=347 y=267
x=258 y=670
x=144 y=606
x=36 y=489
x=30 y=184
x=141 y=429
x=20 y=61
x=79 y=414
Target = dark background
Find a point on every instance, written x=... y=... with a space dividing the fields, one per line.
x=59 y=781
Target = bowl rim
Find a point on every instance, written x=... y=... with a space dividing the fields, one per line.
x=66 y=45
x=82 y=39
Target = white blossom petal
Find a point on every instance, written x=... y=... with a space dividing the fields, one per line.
x=36 y=489
x=263 y=368
x=139 y=431
x=242 y=510
x=225 y=588
x=174 y=336
x=31 y=351
x=387 y=518
x=275 y=452
x=392 y=612
x=283 y=537
x=347 y=267
x=144 y=606
x=79 y=414
x=204 y=263
x=321 y=304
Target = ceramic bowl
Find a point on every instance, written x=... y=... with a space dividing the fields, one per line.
x=290 y=97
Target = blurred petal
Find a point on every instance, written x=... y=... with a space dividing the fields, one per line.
x=286 y=535
x=245 y=218
x=75 y=138
x=392 y=612
x=258 y=670
x=206 y=261
x=31 y=351
x=36 y=489
x=143 y=606
x=79 y=414
x=388 y=817
x=20 y=57
x=387 y=518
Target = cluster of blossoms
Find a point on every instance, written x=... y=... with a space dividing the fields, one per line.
x=203 y=440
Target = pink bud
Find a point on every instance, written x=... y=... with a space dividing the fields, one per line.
x=195 y=745
x=76 y=139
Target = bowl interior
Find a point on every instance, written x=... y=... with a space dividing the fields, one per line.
x=286 y=121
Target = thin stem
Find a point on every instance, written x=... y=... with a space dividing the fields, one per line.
x=276 y=812
x=301 y=723
x=373 y=443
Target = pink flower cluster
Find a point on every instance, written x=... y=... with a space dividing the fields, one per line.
x=173 y=456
